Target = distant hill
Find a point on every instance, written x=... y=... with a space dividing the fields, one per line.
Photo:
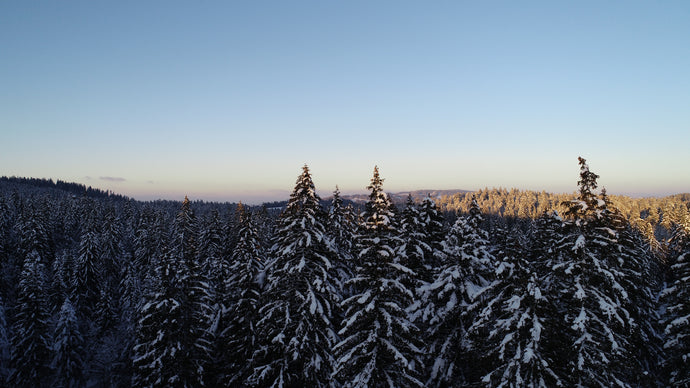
x=401 y=197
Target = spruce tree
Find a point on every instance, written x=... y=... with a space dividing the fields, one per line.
x=239 y=336
x=592 y=296
x=514 y=322
x=341 y=226
x=193 y=294
x=454 y=299
x=86 y=274
x=4 y=344
x=68 y=349
x=638 y=272
x=30 y=334
x=300 y=298
x=216 y=267
x=414 y=251
x=380 y=345
x=432 y=224
x=676 y=296
x=159 y=356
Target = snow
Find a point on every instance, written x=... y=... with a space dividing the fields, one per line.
x=579 y=322
x=579 y=243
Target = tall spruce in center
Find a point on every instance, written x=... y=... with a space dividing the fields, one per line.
x=380 y=344
x=592 y=298
x=296 y=315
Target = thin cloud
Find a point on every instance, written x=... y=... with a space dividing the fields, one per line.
x=112 y=179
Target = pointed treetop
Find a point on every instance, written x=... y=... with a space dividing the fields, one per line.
x=587 y=182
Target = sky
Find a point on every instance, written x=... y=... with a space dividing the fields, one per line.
x=227 y=100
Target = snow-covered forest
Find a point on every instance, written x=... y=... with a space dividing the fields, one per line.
x=97 y=289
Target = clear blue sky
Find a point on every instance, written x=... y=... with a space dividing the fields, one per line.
x=227 y=100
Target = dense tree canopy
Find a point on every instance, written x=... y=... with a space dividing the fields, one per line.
x=494 y=288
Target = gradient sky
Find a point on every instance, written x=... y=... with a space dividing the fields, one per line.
x=227 y=100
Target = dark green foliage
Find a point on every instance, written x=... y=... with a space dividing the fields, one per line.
x=380 y=345
x=167 y=296
x=31 y=350
x=238 y=337
x=454 y=299
x=296 y=328
x=69 y=352
x=591 y=295
x=677 y=321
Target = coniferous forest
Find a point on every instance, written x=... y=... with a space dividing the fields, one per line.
x=494 y=288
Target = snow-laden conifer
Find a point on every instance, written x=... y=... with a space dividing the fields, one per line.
x=638 y=272
x=86 y=274
x=31 y=344
x=4 y=344
x=513 y=322
x=68 y=350
x=380 y=345
x=193 y=294
x=297 y=310
x=455 y=298
x=214 y=267
x=676 y=296
x=237 y=321
x=341 y=228
x=432 y=225
x=159 y=355
x=593 y=300
x=415 y=252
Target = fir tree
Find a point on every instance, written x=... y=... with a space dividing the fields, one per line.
x=159 y=356
x=592 y=297
x=193 y=294
x=86 y=276
x=216 y=268
x=341 y=226
x=30 y=334
x=677 y=318
x=380 y=345
x=638 y=273
x=514 y=321
x=300 y=297
x=432 y=225
x=69 y=352
x=414 y=250
x=454 y=299
x=239 y=336
x=4 y=344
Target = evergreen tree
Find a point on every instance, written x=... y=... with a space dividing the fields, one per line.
x=4 y=344
x=380 y=345
x=341 y=226
x=414 y=249
x=638 y=272
x=592 y=297
x=30 y=334
x=677 y=318
x=453 y=301
x=238 y=319
x=159 y=356
x=216 y=268
x=69 y=352
x=432 y=224
x=514 y=321
x=111 y=242
x=300 y=298
x=193 y=294
x=86 y=276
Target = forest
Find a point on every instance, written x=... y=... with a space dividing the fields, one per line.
x=494 y=288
